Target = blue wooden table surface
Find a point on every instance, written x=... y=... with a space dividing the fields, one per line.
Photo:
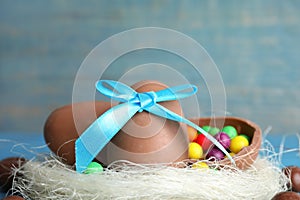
x=255 y=45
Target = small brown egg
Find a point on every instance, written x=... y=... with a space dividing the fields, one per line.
x=14 y=198
x=293 y=173
x=145 y=138
x=286 y=196
x=6 y=171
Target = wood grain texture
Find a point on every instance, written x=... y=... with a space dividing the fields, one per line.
x=255 y=45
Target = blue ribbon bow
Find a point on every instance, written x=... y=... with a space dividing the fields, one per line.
x=101 y=131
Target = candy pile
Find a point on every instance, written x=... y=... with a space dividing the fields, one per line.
x=202 y=148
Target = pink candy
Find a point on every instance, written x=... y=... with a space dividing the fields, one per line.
x=215 y=153
x=224 y=139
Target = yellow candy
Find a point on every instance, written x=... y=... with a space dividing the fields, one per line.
x=195 y=151
x=231 y=153
x=200 y=165
x=237 y=143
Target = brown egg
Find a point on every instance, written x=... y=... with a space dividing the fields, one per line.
x=61 y=131
x=6 y=171
x=13 y=198
x=293 y=173
x=146 y=138
x=286 y=196
x=245 y=158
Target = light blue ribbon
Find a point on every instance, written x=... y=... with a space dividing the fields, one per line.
x=102 y=130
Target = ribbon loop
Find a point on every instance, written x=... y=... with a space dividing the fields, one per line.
x=100 y=132
x=119 y=91
x=175 y=93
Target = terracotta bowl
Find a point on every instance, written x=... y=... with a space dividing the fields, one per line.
x=245 y=158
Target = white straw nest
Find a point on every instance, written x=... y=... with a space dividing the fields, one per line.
x=51 y=179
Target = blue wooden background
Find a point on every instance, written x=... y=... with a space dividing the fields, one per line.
x=255 y=44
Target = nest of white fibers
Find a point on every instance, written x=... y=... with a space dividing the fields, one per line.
x=51 y=179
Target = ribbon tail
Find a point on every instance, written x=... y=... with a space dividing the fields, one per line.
x=165 y=113
x=100 y=132
x=175 y=93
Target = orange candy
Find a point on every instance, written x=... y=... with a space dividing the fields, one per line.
x=192 y=133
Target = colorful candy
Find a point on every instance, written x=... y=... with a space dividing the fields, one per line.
x=93 y=167
x=230 y=131
x=215 y=153
x=206 y=128
x=200 y=165
x=228 y=137
x=224 y=139
x=203 y=141
x=212 y=130
x=195 y=151
x=231 y=154
x=246 y=136
x=192 y=133
x=237 y=143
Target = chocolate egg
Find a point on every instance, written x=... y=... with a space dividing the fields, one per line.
x=245 y=158
x=6 y=171
x=293 y=173
x=62 y=128
x=14 y=198
x=286 y=196
x=145 y=138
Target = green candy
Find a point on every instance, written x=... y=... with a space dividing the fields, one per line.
x=206 y=128
x=214 y=131
x=93 y=167
x=211 y=130
x=230 y=131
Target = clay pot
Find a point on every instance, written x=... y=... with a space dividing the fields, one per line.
x=245 y=158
